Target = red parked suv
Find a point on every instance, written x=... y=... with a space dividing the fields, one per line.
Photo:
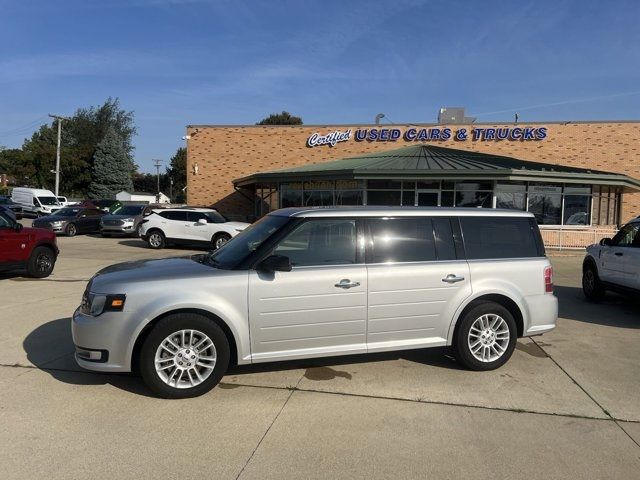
x=32 y=248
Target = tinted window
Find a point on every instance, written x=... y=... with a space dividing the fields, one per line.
x=5 y=222
x=628 y=236
x=93 y=213
x=443 y=235
x=402 y=240
x=210 y=217
x=499 y=237
x=174 y=215
x=129 y=210
x=320 y=242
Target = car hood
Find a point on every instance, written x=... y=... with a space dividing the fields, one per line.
x=117 y=217
x=115 y=277
x=238 y=225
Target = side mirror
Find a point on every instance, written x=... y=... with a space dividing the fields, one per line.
x=605 y=242
x=202 y=221
x=275 y=263
x=17 y=226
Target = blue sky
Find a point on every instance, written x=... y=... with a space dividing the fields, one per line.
x=179 y=62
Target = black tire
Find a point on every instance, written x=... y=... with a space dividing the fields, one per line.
x=41 y=262
x=163 y=329
x=136 y=234
x=156 y=239
x=71 y=230
x=591 y=284
x=461 y=340
x=219 y=239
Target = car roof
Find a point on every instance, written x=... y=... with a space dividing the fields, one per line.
x=184 y=209
x=398 y=211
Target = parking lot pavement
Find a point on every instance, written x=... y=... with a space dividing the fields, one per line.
x=565 y=406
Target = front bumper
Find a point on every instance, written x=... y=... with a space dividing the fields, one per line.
x=128 y=229
x=48 y=226
x=102 y=342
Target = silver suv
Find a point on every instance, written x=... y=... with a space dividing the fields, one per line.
x=304 y=283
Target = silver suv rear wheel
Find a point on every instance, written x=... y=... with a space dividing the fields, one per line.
x=485 y=336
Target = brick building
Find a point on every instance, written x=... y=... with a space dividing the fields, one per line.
x=578 y=174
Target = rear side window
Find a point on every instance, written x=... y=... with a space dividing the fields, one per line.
x=499 y=237
x=401 y=240
x=174 y=215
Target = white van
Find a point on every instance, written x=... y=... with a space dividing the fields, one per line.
x=35 y=200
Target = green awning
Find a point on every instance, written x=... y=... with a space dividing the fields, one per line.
x=433 y=162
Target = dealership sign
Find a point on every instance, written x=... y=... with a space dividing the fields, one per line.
x=475 y=134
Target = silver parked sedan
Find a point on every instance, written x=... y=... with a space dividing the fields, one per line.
x=126 y=220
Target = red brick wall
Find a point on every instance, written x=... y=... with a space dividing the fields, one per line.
x=225 y=153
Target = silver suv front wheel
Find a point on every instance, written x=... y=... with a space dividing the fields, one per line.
x=185 y=355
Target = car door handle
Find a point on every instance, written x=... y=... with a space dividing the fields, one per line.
x=346 y=283
x=451 y=278
x=618 y=254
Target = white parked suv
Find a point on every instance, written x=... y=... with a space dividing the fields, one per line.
x=304 y=283
x=613 y=264
x=194 y=226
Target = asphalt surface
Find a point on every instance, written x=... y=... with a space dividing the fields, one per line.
x=567 y=404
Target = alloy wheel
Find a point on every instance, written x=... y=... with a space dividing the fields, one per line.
x=185 y=358
x=488 y=337
x=155 y=240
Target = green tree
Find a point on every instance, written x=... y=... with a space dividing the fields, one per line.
x=177 y=171
x=111 y=171
x=81 y=135
x=284 y=118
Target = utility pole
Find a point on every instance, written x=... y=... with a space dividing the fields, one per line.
x=59 y=118
x=156 y=163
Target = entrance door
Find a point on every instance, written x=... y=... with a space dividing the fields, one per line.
x=428 y=198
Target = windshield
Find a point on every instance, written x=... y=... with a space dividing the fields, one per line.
x=129 y=210
x=245 y=242
x=48 y=200
x=5 y=201
x=67 y=212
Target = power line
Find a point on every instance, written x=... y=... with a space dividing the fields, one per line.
x=25 y=127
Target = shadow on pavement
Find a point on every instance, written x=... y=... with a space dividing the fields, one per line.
x=614 y=311
x=52 y=341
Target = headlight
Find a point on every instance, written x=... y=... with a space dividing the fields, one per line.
x=57 y=224
x=129 y=220
x=94 y=304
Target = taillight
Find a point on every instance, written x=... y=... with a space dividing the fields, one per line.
x=548 y=279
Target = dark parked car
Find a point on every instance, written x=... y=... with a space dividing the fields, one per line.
x=8 y=204
x=125 y=220
x=108 y=206
x=32 y=249
x=71 y=221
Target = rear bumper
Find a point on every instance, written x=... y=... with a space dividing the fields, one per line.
x=543 y=314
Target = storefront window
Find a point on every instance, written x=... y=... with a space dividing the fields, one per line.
x=576 y=210
x=383 y=197
x=546 y=208
x=318 y=198
x=291 y=198
x=384 y=184
x=446 y=199
x=473 y=199
x=511 y=200
x=349 y=197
